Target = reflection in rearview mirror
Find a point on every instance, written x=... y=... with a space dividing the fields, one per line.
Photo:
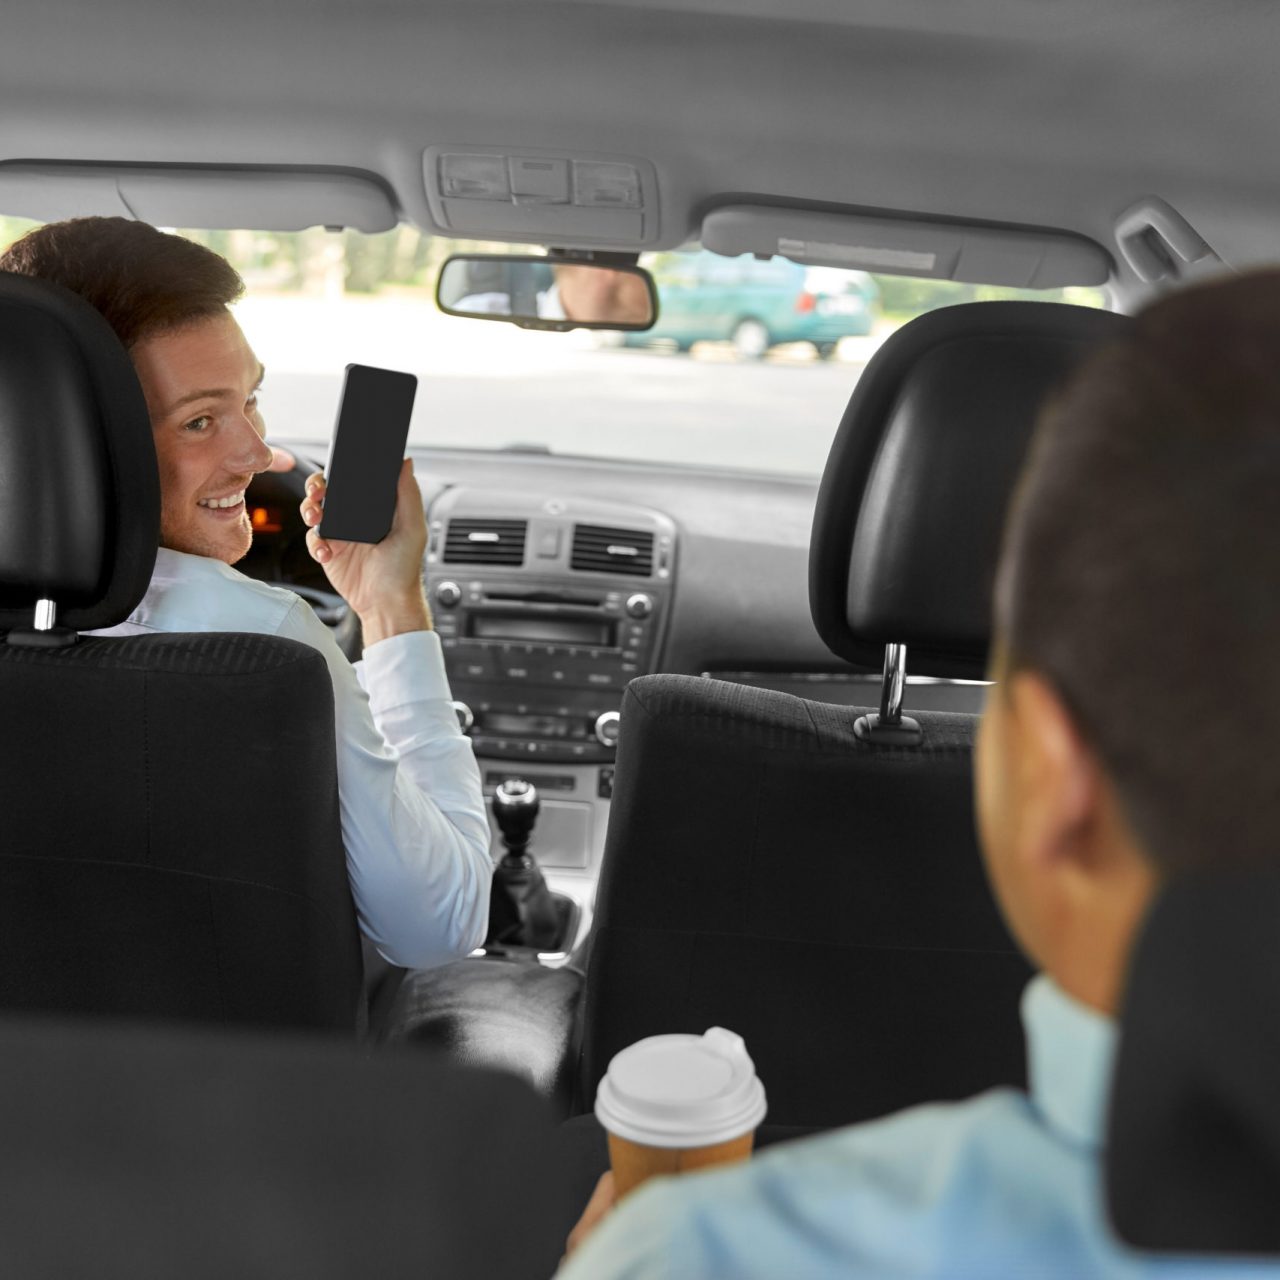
x=543 y=293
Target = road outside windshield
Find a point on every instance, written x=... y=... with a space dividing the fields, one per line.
x=750 y=366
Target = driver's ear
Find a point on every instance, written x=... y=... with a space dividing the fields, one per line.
x=1059 y=776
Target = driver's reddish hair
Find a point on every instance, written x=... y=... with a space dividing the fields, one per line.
x=143 y=281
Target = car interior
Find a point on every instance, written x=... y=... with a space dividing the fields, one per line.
x=715 y=614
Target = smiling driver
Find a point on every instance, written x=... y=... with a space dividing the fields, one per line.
x=413 y=817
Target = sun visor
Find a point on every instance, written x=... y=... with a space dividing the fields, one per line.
x=1026 y=258
x=259 y=199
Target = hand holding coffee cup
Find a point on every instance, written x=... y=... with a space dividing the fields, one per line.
x=673 y=1103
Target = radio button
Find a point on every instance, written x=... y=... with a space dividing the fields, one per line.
x=512 y=670
x=448 y=594
x=639 y=605
x=606 y=729
x=470 y=662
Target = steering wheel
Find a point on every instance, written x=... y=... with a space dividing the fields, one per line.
x=284 y=489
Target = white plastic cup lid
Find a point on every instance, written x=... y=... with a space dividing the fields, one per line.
x=682 y=1091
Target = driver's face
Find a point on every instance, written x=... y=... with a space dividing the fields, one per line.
x=201 y=386
x=602 y=295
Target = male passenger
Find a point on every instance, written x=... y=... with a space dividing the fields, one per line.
x=1127 y=738
x=413 y=818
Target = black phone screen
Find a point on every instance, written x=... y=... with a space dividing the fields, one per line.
x=366 y=452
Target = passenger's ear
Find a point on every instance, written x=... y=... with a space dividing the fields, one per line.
x=1061 y=782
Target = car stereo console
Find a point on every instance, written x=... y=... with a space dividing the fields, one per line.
x=546 y=607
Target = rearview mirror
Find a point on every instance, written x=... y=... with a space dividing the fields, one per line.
x=547 y=293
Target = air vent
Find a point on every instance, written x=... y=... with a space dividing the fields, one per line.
x=599 y=548
x=485 y=542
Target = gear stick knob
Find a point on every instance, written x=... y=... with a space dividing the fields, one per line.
x=522 y=910
x=515 y=809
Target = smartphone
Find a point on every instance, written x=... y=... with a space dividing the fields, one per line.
x=365 y=453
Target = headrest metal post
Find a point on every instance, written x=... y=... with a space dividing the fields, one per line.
x=46 y=615
x=44 y=631
x=890 y=728
x=891 y=687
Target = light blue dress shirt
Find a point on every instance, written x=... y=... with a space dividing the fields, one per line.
x=409 y=793
x=1001 y=1187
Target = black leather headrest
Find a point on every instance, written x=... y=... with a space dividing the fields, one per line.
x=79 y=486
x=907 y=528
x=1193 y=1145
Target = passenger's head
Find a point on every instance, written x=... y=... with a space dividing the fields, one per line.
x=168 y=301
x=1137 y=616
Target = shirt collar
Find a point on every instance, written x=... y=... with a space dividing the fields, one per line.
x=173 y=564
x=1070 y=1051
x=174 y=569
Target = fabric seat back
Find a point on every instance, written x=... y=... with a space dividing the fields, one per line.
x=768 y=872
x=772 y=867
x=171 y=844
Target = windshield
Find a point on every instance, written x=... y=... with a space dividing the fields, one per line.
x=750 y=364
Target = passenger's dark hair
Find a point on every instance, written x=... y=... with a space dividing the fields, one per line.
x=1141 y=569
x=143 y=281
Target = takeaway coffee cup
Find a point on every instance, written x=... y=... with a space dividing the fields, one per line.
x=679 y=1102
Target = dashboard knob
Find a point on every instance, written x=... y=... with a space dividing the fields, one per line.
x=448 y=594
x=607 y=726
x=639 y=605
x=466 y=717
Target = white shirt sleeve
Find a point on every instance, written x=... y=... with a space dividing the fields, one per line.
x=413 y=815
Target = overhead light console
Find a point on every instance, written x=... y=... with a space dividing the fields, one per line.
x=571 y=199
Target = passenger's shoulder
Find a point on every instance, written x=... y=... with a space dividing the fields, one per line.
x=202 y=594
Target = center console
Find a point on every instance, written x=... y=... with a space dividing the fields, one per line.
x=546 y=607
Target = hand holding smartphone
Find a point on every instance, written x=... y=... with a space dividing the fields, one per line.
x=365 y=453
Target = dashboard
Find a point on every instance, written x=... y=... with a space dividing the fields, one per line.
x=555 y=580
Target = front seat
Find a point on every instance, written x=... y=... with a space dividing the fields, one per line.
x=1192 y=1163
x=807 y=874
x=171 y=836
x=152 y=1152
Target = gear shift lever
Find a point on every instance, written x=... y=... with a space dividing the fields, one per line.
x=522 y=910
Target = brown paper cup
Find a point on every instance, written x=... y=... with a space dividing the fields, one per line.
x=634 y=1163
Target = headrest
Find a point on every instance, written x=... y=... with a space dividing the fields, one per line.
x=910 y=511
x=79 y=486
x=1193 y=1144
